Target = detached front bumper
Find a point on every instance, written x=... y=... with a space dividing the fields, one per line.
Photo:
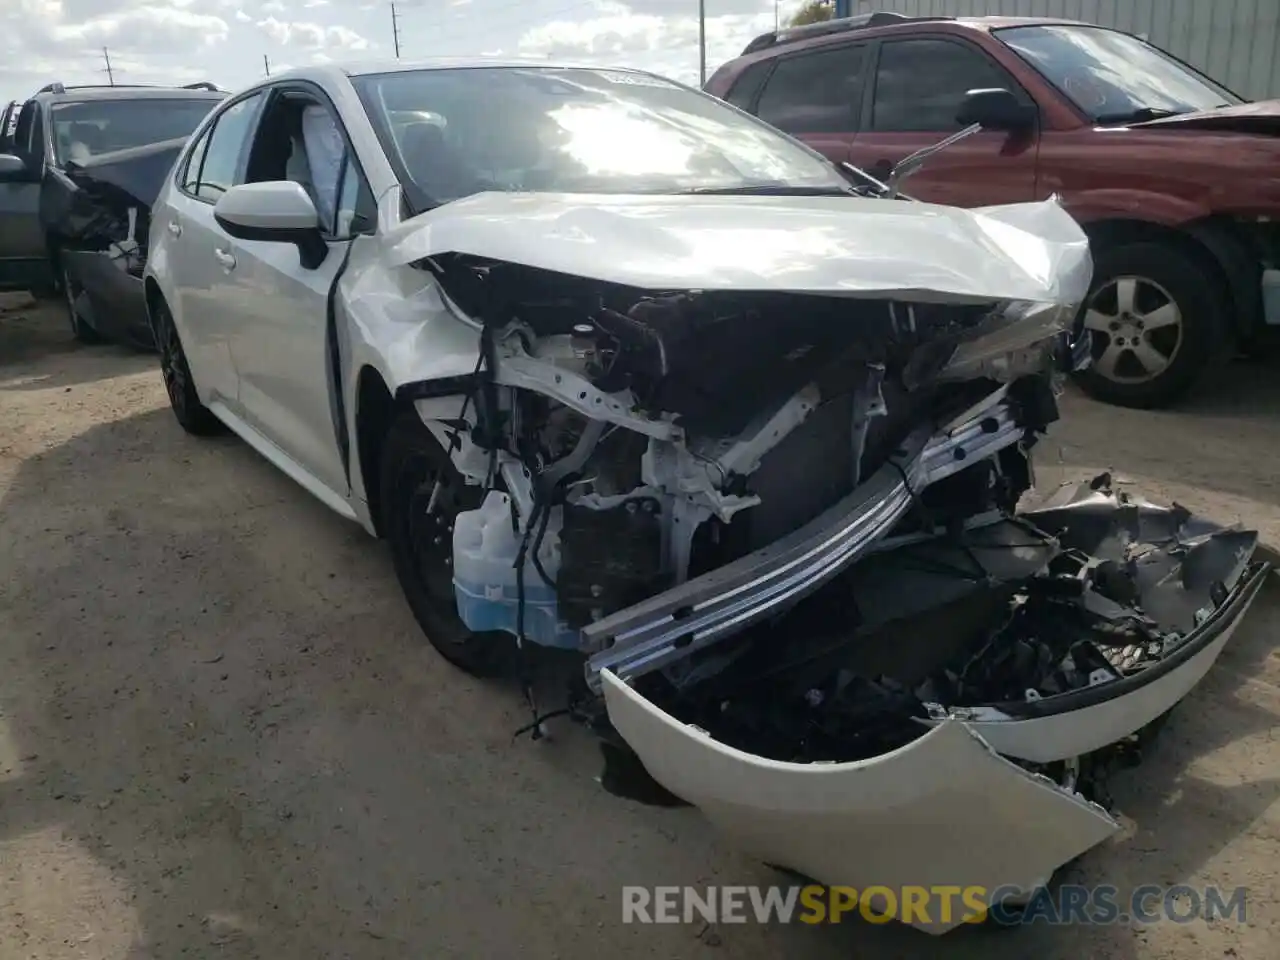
x=944 y=811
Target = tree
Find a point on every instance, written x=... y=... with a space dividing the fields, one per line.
x=814 y=11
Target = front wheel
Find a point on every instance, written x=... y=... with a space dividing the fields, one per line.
x=422 y=494
x=1157 y=318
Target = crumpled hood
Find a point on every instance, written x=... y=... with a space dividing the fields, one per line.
x=138 y=171
x=846 y=246
x=1260 y=117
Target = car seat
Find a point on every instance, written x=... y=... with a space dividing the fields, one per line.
x=434 y=165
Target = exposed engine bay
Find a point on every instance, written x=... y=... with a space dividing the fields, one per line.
x=629 y=450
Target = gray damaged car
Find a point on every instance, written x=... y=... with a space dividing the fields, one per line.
x=79 y=170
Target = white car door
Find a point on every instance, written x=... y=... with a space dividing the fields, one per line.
x=282 y=333
x=206 y=305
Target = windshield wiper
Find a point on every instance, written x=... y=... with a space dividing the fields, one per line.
x=771 y=190
x=1140 y=115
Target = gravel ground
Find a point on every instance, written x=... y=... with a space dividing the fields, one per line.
x=221 y=734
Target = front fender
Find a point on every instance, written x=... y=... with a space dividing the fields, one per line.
x=1125 y=204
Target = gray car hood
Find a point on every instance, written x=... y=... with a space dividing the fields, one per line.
x=844 y=246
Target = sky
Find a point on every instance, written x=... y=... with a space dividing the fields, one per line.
x=224 y=41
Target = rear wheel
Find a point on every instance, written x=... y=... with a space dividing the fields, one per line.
x=422 y=494
x=193 y=415
x=1157 y=317
x=79 y=329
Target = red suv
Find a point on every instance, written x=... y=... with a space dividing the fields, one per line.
x=1172 y=175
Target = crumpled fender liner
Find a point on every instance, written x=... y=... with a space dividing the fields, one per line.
x=432 y=389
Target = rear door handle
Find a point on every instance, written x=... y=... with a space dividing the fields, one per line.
x=225 y=258
x=175 y=228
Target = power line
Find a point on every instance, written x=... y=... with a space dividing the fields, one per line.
x=702 y=43
x=111 y=77
x=395 y=30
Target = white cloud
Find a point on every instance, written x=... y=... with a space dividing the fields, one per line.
x=165 y=41
x=312 y=36
x=665 y=43
x=142 y=28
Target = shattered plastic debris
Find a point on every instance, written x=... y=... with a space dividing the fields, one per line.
x=1005 y=614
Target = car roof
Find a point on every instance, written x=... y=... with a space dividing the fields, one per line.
x=337 y=71
x=463 y=63
x=81 y=94
x=879 y=24
x=997 y=23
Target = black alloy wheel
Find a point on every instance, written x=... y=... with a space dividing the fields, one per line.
x=422 y=494
x=193 y=415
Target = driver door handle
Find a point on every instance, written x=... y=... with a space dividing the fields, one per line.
x=175 y=228
x=225 y=258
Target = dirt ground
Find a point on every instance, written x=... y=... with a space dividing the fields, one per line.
x=221 y=734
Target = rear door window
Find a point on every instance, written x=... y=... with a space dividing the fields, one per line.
x=743 y=92
x=920 y=84
x=818 y=92
x=221 y=164
x=8 y=124
x=28 y=138
x=190 y=179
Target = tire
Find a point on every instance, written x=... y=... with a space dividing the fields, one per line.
x=79 y=329
x=192 y=415
x=1138 y=364
x=419 y=531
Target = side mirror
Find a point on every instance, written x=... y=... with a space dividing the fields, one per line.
x=12 y=168
x=995 y=109
x=278 y=211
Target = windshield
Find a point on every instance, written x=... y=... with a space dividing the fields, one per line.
x=91 y=127
x=1112 y=76
x=454 y=132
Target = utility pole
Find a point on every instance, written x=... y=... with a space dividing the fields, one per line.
x=702 y=43
x=266 y=65
x=395 y=30
x=111 y=77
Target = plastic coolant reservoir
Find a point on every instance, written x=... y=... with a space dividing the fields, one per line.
x=484 y=574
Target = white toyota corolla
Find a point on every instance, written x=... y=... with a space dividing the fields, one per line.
x=618 y=369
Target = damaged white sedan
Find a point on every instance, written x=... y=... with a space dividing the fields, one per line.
x=617 y=369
